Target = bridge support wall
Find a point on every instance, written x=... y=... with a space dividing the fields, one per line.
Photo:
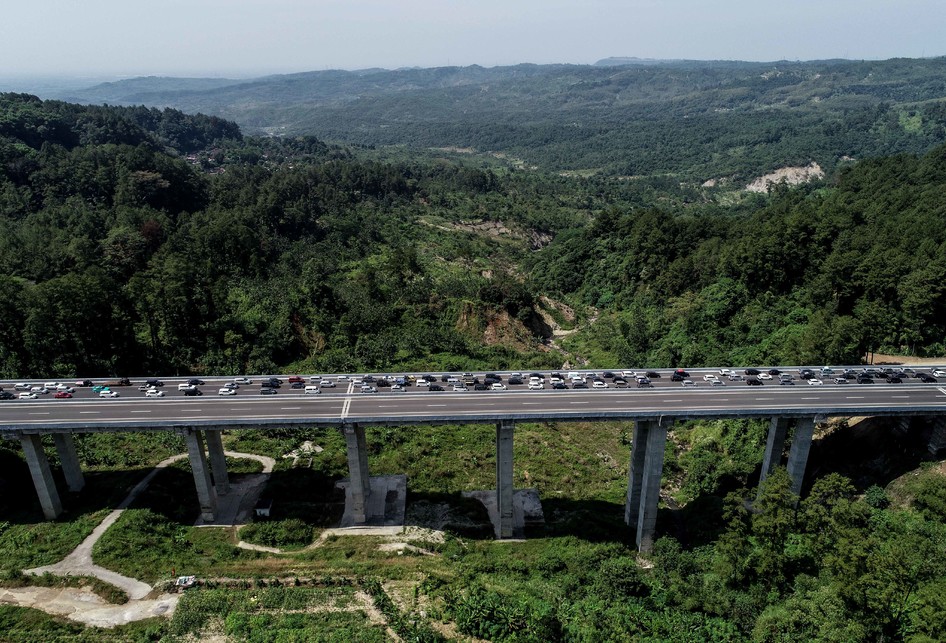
x=42 y=475
x=206 y=494
x=643 y=485
x=66 y=448
x=218 y=462
x=504 y=483
x=359 y=481
x=798 y=454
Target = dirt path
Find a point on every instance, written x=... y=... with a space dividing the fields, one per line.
x=85 y=606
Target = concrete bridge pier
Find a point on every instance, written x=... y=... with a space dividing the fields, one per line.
x=66 y=448
x=774 y=445
x=504 y=484
x=42 y=475
x=206 y=494
x=359 y=482
x=218 y=462
x=798 y=453
x=643 y=484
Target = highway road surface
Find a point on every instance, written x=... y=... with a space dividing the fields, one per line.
x=132 y=411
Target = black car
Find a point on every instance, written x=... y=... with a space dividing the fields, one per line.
x=774 y=371
x=608 y=375
x=85 y=383
x=268 y=390
x=927 y=378
x=620 y=381
x=192 y=392
x=368 y=379
x=579 y=385
x=682 y=373
x=644 y=383
x=480 y=387
x=894 y=379
x=383 y=383
x=515 y=380
x=753 y=381
x=195 y=382
x=435 y=387
x=6 y=395
x=753 y=371
x=538 y=375
x=154 y=382
x=864 y=379
x=559 y=385
x=806 y=374
x=654 y=375
x=677 y=377
x=297 y=385
x=429 y=378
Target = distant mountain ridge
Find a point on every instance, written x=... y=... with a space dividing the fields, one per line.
x=624 y=116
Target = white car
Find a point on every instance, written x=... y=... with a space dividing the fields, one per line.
x=28 y=395
x=21 y=386
x=367 y=388
x=689 y=383
x=152 y=392
x=460 y=387
x=51 y=385
x=717 y=382
x=242 y=380
x=536 y=386
x=226 y=391
x=815 y=382
x=726 y=371
x=65 y=387
x=599 y=384
x=42 y=390
x=327 y=384
x=556 y=380
x=764 y=376
x=107 y=393
x=498 y=386
x=629 y=373
x=341 y=378
x=939 y=373
x=710 y=377
x=421 y=383
x=397 y=388
x=184 y=386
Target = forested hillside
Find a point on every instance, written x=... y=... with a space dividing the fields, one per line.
x=695 y=120
x=120 y=255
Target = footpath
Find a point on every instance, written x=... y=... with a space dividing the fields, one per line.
x=83 y=605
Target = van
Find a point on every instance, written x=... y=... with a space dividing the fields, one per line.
x=312 y=390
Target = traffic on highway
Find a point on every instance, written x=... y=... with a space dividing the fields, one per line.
x=426 y=383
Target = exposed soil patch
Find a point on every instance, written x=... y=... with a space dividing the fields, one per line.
x=788 y=175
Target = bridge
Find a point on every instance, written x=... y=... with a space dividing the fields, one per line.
x=653 y=409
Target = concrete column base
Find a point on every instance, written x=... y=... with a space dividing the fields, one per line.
x=528 y=518
x=206 y=494
x=384 y=506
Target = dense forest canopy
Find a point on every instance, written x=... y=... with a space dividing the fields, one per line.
x=120 y=255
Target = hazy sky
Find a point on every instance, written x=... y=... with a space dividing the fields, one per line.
x=249 y=37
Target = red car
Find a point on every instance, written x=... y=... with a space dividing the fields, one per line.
x=296 y=378
x=62 y=395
